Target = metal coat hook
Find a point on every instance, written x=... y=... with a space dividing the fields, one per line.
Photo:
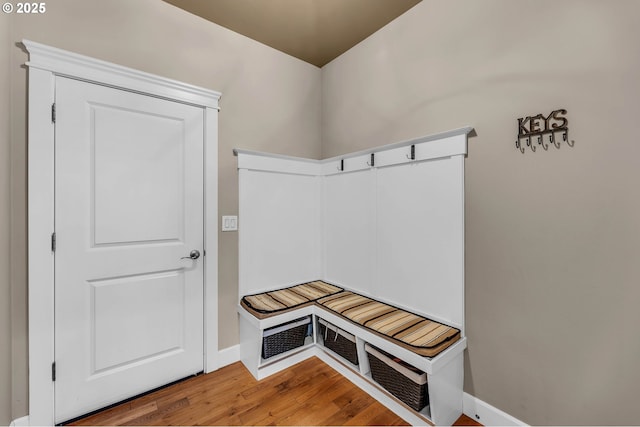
x=542 y=143
x=519 y=146
x=530 y=145
x=413 y=153
x=565 y=138
x=372 y=162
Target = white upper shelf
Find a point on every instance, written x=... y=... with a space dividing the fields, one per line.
x=445 y=144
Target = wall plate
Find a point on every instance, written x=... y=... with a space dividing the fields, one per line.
x=229 y=223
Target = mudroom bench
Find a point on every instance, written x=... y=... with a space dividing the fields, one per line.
x=280 y=328
x=383 y=230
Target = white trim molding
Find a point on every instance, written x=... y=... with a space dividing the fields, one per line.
x=20 y=422
x=486 y=414
x=229 y=355
x=45 y=64
x=63 y=63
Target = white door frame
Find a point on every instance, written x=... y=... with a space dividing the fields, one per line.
x=45 y=63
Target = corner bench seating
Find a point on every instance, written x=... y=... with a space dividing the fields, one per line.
x=387 y=225
x=416 y=333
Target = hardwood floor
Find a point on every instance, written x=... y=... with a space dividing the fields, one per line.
x=309 y=393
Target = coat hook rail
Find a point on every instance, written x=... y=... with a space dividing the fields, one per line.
x=540 y=126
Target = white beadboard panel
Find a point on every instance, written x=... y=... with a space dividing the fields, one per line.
x=394 y=231
x=349 y=242
x=420 y=238
x=279 y=230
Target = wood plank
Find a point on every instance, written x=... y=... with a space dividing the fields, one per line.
x=309 y=393
x=466 y=421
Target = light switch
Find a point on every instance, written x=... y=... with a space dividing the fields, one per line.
x=229 y=223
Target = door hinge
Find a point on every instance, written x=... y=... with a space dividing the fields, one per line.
x=53 y=371
x=53 y=113
x=53 y=242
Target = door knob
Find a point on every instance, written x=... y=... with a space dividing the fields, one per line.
x=194 y=254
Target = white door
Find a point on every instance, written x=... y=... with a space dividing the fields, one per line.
x=128 y=207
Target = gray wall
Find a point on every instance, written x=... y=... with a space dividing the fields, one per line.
x=551 y=237
x=270 y=102
x=5 y=201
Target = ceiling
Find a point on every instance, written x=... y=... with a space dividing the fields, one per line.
x=315 y=31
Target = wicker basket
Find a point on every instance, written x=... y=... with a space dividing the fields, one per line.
x=338 y=341
x=284 y=337
x=399 y=378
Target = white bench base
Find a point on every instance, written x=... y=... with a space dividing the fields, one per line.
x=445 y=372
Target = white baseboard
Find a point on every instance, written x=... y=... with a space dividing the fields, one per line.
x=20 y=422
x=229 y=355
x=486 y=414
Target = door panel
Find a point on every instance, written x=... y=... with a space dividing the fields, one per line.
x=159 y=293
x=129 y=206
x=124 y=208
